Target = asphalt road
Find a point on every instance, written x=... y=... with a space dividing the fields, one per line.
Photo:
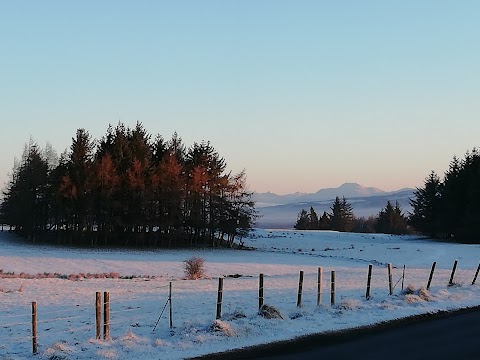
x=452 y=336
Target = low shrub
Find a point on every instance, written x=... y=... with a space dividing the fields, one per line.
x=194 y=268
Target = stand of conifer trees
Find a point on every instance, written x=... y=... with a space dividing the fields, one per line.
x=127 y=189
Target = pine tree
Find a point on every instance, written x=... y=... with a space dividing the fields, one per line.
x=454 y=195
x=76 y=184
x=302 y=220
x=426 y=206
x=104 y=186
x=391 y=220
x=169 y=192
x=312 y=219
x=347 y=215
x=25 y=203
x=341 y=216
x=336 y=215
x=468 y=229
x=324 y=222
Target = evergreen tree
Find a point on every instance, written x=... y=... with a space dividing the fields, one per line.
x=25 y=202
x=341 y=216
x=104 y=186
x=468 y=226
x=426 y=206
x=391 y=220
x=347 y=215
x=336 y=215
x=205 y=169
x=302 y=220
x=454 y=195
x=312 y=220
x=324 y=222
x=76 y=183
x=169 y=192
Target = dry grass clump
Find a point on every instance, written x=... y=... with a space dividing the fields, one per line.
x=270 y=312
x=222 y=327
x=350 y=304
x=413 y=295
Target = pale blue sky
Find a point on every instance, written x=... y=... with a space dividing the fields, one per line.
x=302 y=94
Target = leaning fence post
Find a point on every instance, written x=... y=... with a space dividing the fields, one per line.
x=170 y=301
x=369 y=280
x=98 y=314
x=476 y=274
x=219 y=298
x=300 y=285
x=431 y=275
x=390 y=285
x=34 y=327
x=319 y=286
x=106 y=315
x=260 y=291
x=332 y=288
x=450 y=283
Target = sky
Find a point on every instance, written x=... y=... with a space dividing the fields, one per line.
x=303 y=95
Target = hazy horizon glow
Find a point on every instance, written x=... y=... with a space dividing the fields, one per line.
x=303 y=95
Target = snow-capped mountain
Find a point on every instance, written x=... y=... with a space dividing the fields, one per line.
x=280 y=211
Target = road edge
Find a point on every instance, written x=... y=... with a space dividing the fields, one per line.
x=328 y=338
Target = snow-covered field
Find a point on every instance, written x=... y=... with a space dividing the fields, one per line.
x=66 y=312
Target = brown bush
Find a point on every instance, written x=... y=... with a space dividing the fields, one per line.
x=194 y=268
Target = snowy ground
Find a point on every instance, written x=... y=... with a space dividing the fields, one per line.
x=66 y=313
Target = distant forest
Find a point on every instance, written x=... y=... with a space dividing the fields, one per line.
x=127 y=189
x=390 y=220
x=447 y=208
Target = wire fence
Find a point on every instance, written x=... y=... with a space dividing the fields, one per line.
x=59 y=323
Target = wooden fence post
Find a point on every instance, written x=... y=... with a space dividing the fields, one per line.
x=34 y=327
x=332 y=288
x=369 y=280
x=390 y=284
x=106 y=315
x=319 y=286
x=170 y=301
x=300 y=286
x=98 y=314
x=260 y=291
x=431 y=275
x=403 y=276
x=476 y=274
x=450 y=283
x=219 y=298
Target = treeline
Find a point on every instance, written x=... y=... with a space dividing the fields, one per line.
x=442 y=208
x=450 y=207
x=127 y=189
x=390 y=220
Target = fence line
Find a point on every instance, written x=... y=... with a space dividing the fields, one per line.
x=14 y=316
x=16 y=339
x=60 y=319
x=54 y=312
x=142 y=316
x=87 y=328
x=20 y=323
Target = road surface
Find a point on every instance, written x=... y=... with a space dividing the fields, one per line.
x=450 y=337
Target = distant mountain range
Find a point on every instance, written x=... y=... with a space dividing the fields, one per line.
x=280 y=211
